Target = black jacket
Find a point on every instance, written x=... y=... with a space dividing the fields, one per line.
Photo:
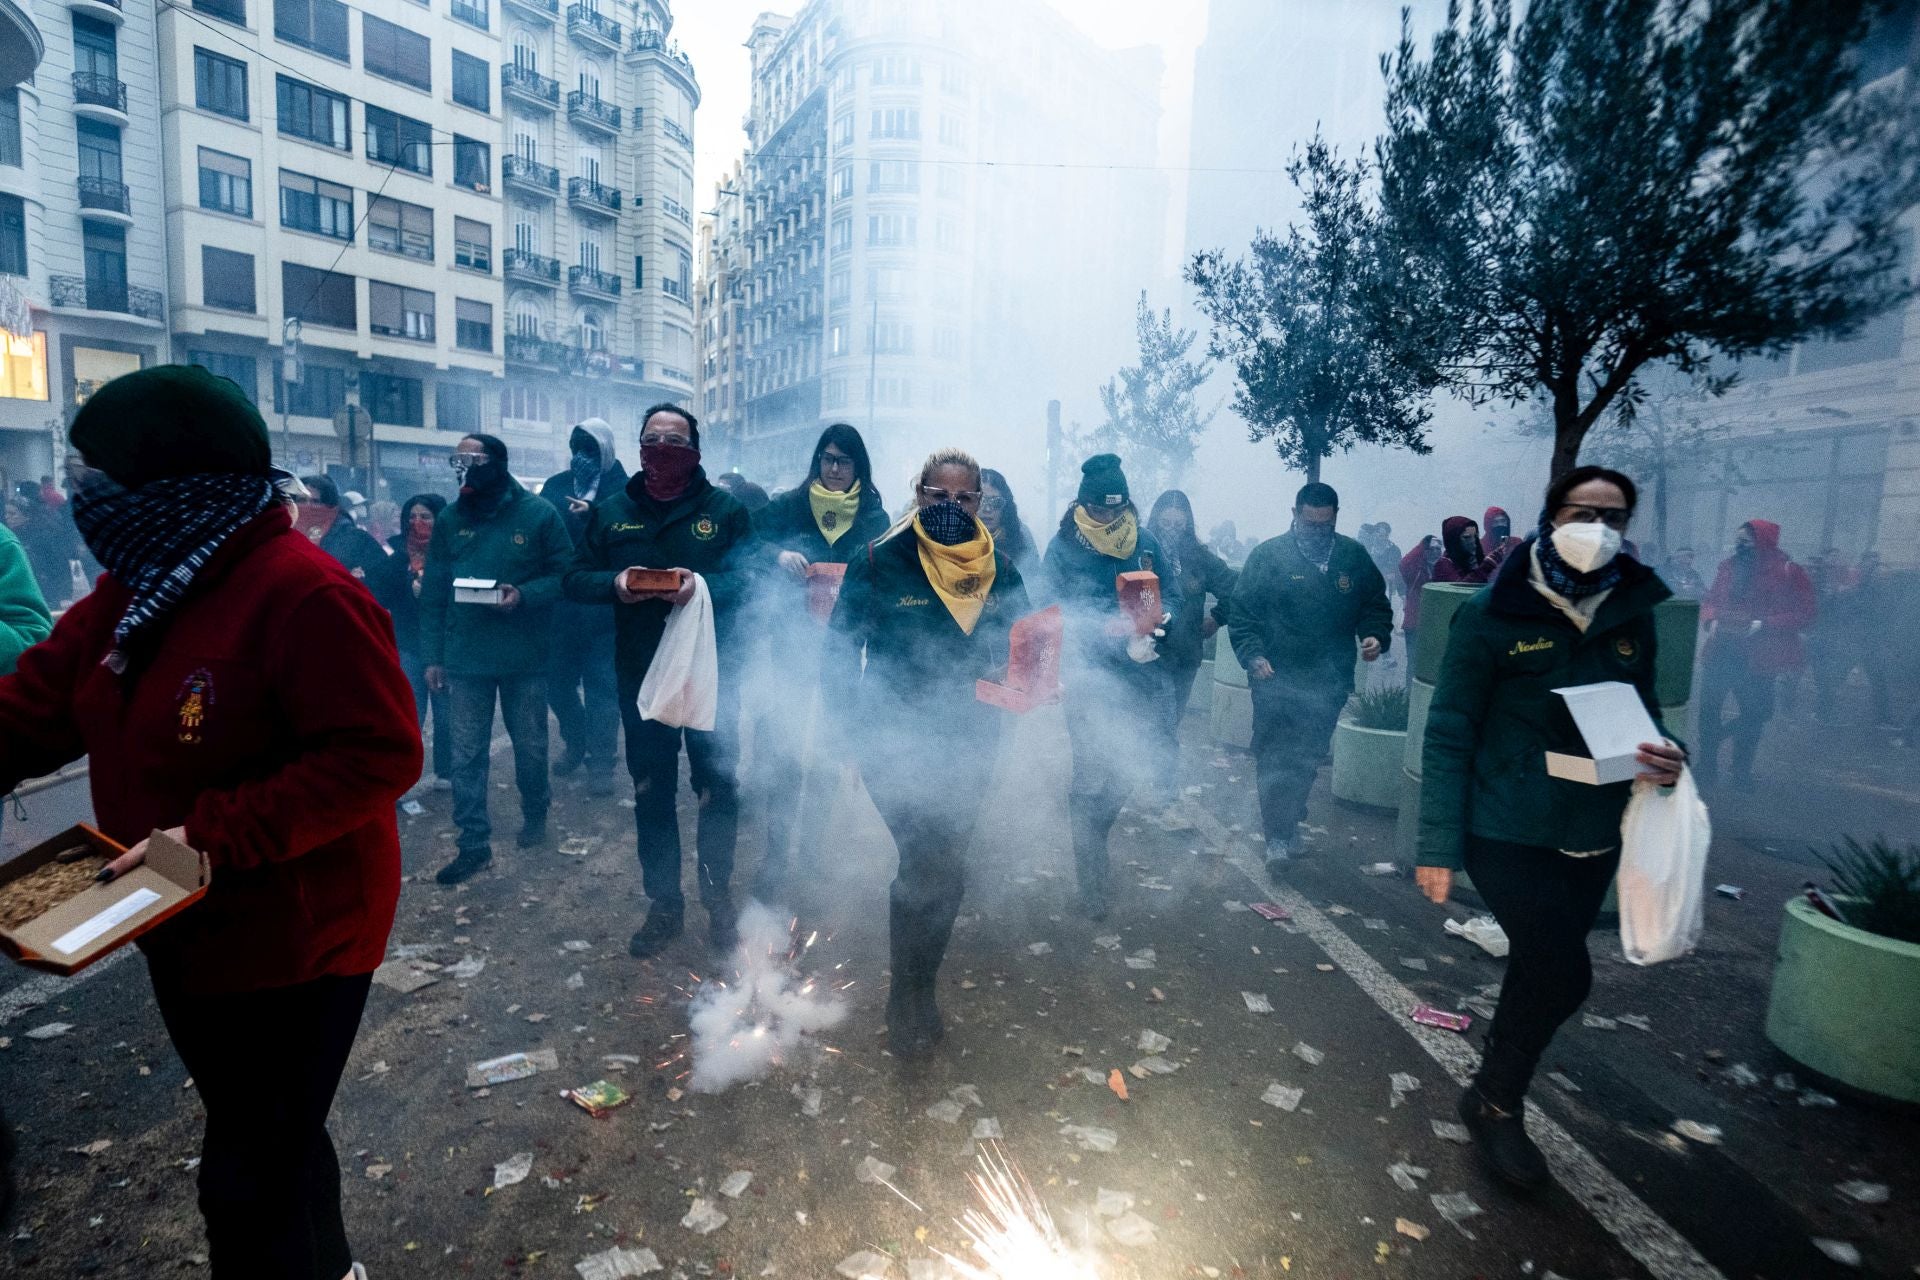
x=705 y=530
x=1304 y=622
x=1081 y=581
x=397 y=588
x=1202 y=573
x=787 y=524
x=559 y=488
x=357 y=549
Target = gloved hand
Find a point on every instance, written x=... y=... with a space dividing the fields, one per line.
x=1147 y=648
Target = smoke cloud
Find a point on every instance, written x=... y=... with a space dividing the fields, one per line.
x=761 y=1017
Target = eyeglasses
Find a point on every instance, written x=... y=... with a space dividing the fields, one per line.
x=993 y=502
x=835 y=462
x=1615 y=518
x=966 y=499
x=465 y=462
x=680 y=441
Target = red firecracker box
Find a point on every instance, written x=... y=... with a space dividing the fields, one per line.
x=1140 y=600
x=1031 y=677
x=639 y=580
x=823 y=589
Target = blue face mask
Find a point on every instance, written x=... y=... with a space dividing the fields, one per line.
x=586 y=472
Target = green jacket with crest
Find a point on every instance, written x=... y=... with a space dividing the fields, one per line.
x=519 y=540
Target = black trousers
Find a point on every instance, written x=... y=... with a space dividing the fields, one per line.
x=1293 y=719
x=653 y=758
x=266 y=1065
x=1116 y=727
x=1724 y=674
x=1547 y=903
x=931 y=809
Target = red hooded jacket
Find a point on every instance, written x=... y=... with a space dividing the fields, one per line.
x=1447 y=568
x=1771 y=590
x=1495 y=552
x=274 y=723
x=1416 y=573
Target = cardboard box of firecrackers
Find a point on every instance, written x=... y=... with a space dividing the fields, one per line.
x=477 y=591
x=55 y=916
x=639 y=580
x=599 y=1097
x=1031 y=677
x=823 y=589
x=1140 y=600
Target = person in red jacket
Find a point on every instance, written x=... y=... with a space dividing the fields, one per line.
x=1460 y=558
x=1759 y=604
x=1416 y=570
x=1496 y=526
x=231 y=683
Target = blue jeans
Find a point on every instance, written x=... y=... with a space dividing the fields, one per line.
x=581 y=663
x=425 y=699
x=523 y=705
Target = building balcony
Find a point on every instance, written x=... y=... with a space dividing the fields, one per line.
x=589 y=196
x=542 y=10
x=650 y=39
x=593 y=283
x=523 y=84
x=531 y=268
x=668 y=373
x=675 y=132
x=589 y=26
x=105 y=200
x=675 y=210
x=522 y=349
x=592 y=112
x=474 y=15
x=100 y=98
x=107 y=11
x=76 y=293
x=673 y=288
x=530 y=175
x=594 y=362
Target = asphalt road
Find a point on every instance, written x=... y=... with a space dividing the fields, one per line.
x=1218 y=1182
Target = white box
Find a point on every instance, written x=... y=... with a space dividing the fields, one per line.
x=1613 y=722
x=477 y=591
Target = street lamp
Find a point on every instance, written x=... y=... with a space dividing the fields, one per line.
x=292 y=371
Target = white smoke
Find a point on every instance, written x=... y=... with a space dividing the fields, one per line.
x=763 y=1014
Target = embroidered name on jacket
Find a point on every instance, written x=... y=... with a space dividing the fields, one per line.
x=1541 y=645
x=913 y=602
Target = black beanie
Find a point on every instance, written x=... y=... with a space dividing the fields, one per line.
x=171 y=420
x=1102 y=482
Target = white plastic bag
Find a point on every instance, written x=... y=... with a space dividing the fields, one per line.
x=682 y=684
x=1664 y=836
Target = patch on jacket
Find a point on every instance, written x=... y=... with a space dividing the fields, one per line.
x=704 y=528
x=1625 y=647
x=195 y=696
x=829 y=519
x=1542 y=645
x=519 y=539
x=1343 y=583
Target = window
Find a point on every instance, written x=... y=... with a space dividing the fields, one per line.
x=896 y=69
x=396 y=53
x=456 y=407
x=472 y=86
x=473 y=14
x=952 y=184
x=843 y=131
x=524 y=404
x=319 y=25
x=99 y=148
x=226 y=183
x=400 y=141
x=23 y=363
x=310 y=204
x=226 y=279
x=685 y=260
x=229 y=10
x=893 y=228
x=96 y=50
x=887 y=282
x=472 y=164
x=398 y=402
x=896 y=122
x=472 y=244
x=399 y=312
x=894 y=391
x=639 y=271
x=840 y=286
x=310 y=112
x=219 y=84
x=13 y=236
x=893 y=337
x=321 y=391
x=10 y=127
x=835 y=393
x=946 y=234
x=242 y=371
x=953 y=80
x=893 y=175
x=394 y=226
x=843 y=235
x=836 y=340
x=103 y=250
x=472 y=326
x=843 y=182
x=946 y=342
x=953 y=131
x=325 y=298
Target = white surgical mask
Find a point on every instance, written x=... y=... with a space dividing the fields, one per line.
x=1586 y=547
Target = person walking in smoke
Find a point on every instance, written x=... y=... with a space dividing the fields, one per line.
x=1759 y=604
x=487 y=653
x=580 y=685
x=930 y=605
x=1305 y=603
x=1199 y=573
x=398 y=587
x=1460 y=556
x=671 y=517
x=1566 y=609
x=329 y=523
x=1117 y=692
x=1000 y=512
x=1416 y=571
x=827 y=519
x=1498 y=539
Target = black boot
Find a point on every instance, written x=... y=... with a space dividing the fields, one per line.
x=533 y=833
x=1494 y=1110
x=914 y=1026
x=568 y=762
x=467 y=864
x=723 y=926
x=661 y=928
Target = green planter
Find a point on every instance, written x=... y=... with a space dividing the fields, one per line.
x=1366 y=765
x=1846 y=1003
x=1232 y=706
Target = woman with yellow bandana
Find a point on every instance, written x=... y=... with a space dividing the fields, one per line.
x=1118 y=694
x=930 y=605
x=828 y=518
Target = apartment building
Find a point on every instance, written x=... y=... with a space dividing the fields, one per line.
x=719 y=309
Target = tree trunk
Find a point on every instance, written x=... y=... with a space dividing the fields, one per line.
x=1313 y=467
x=1660 y=509
x=1568 y=434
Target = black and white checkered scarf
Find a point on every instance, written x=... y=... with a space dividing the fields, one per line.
x=155 y=539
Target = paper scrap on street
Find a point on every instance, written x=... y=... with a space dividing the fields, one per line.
x=1285 y=1097
x=1308 y=1054
x=1090 y=1137
x=1272 y=911
x=703 y=1217
x=1451 y=1131
x=1257 y=1002
x=618 y=1264
x=1402 y=1084
x=1456 y=1207
x=1864 y=1192
x=1131 y=1230
x=946 y=1111
x=873 y=1169
x=1407 y=1177
x=513 y=1170
x=1692 y=1130
x=736 y=1183
x=865 y=1265
x=1152 y=1042
x=404 y=978
x=1484 y=932
x=511 y=1067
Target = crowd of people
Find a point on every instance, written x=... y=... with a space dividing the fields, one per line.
x=256 y=666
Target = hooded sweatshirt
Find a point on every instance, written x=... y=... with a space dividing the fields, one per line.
x=1456 y=563
x=594 y=433
x=1496 y=551
x=1765 y=586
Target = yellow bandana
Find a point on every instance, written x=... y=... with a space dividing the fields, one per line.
x=834 y=512
x=961 y=576
x=1116 y=540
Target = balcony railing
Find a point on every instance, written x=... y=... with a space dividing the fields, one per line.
x=670 y=374
x=593 y=280
x=90 y=90
x=674 y=131
x=592 y=109
x=587 y=192
x=673 y=288
x=548 y=9
x=104 y=194
x=652 y=40
x=521 y=265
x=474 y=15
x=524 y=82
x=585 y=20
x=596 y=362
x=104 y=295
x=522 y=349
x=675 y=210
x=530 y=173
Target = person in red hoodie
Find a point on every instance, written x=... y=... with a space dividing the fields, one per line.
x=232 y=684
x=1754 y=613
x=1497 y=527
x=1460 y=558
x=1416 y=570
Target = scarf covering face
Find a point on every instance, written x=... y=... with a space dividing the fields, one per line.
x=585 y=468
x=154 y=540
x=962 y=574
x=1315 y=542
x=833 y=512
x=1569 y=581
x=314 y=520
x=667 y=469
x=1116 y=540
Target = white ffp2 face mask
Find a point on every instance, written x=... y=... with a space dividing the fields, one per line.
x=1586 y=547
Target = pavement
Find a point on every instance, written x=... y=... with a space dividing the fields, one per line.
x=1193 y=1173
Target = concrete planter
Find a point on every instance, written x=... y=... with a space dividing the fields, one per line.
x=1232 y=709
x=1366 y=765
x=1846 y=1003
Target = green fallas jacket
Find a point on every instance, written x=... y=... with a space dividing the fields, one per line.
x=519 y=540
x=1495 y=715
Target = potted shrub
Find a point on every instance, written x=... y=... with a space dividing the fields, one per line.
x=1368 y=745
x=1846 y=992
